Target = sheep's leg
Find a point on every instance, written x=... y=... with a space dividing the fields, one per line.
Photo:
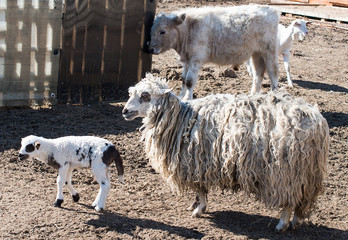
x=286 y=57
x=102 y=177
x=258 y=69
x=191 y=80
x=297 y=219
x=284 y=220
x=195 y=204
x=202 y=206
x=61 y=179
x=75 y=195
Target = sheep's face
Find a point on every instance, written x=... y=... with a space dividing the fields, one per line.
x=144 y=96
x=164 y=33
x=300 y=30
x=29 y=148
x=138 y=104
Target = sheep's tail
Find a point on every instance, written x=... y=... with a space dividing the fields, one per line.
x=119 y=165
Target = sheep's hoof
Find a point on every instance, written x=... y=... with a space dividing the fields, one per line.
x=76 y=197
x=58 y=202
x=281 y=228
x=197 y=213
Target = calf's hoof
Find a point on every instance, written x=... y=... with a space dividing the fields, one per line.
x=76 y=197
x=58 y=202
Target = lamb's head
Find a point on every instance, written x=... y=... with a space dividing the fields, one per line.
x=30 y=147
x=300 y=30
x=164 y=33
x=143 y=96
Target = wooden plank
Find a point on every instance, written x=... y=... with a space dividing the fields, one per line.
x=318 y=12
x=131 y=44
x=339 y=3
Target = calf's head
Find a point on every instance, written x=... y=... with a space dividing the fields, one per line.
x=164 y=32
x=300 y=30
x=30 y=147
x=143 y=97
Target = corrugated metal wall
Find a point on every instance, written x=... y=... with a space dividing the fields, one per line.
x=29 y=56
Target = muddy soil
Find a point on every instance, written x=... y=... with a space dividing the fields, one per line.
x=145 y=207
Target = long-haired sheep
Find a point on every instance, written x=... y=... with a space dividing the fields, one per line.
x=273 y=146
x=68 y=153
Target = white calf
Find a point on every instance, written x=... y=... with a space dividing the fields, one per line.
x=68 y=153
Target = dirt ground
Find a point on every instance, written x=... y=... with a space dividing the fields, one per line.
x=145 y=207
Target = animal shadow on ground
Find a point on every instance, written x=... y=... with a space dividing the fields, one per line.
x=257 y=226
x=336 y=119
x=62 y=120
x=126 y=225
x=321 y=86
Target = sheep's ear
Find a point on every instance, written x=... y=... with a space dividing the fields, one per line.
x=165 y=91
x=179 y=19
x=37 y=145
x=308 y=22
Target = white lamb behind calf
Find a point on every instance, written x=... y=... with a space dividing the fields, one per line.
x=273 y=146
x=68 y=153
x=297 y=30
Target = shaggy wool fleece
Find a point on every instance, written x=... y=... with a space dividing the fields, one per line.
x=272 y=146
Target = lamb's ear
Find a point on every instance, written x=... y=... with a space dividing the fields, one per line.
x=179 y=19
x=37 y=145
x=308 y=22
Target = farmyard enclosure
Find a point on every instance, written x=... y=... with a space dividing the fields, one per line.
x=145 y=207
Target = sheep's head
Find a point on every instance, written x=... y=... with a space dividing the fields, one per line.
x=164 y=33
x=300 y=30
x=143 y=96
x=30 y=146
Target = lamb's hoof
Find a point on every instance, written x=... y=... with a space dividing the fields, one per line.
x=76 y=197
x=58 y=202
x=98 y=209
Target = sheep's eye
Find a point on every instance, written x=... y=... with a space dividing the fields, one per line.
x=30 y=148
x=162 y=32
x=145 y=97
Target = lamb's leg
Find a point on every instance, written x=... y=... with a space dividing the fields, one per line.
x=194 y=204
x=75 y=195
x=102 y=177
x=258 y=69
x=191 y=80
x=286 y=56
x=284 y=220
x=61 y=179
x=202 y=206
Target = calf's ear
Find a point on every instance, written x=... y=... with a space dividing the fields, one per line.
x=179 y=19
x=37 y=145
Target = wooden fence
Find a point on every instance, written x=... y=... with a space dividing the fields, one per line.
x=73 y=51
x=29 y=56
